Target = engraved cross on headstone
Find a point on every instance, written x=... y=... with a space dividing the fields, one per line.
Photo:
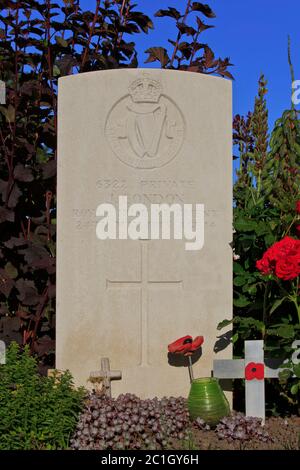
x=254 y=369
x=143 y=285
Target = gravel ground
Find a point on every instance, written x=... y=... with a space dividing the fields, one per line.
x=284 y=434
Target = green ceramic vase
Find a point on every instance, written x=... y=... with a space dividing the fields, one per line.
x=207 y=401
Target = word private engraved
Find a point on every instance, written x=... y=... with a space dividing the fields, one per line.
x=145 y=129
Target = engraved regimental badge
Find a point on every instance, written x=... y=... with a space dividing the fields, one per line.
x=145 y=128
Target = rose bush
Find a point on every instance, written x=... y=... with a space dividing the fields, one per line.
x=266 y=243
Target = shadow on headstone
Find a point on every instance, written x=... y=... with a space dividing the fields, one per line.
x=178 y=360
x=226 y=384
x=223 y=341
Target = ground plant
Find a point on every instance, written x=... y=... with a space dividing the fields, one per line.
x=36 y=412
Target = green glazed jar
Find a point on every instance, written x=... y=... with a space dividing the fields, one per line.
x=207 y=401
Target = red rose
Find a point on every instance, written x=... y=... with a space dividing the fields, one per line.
x=282 y=259
x=254 y=370
x=265 y=265
x=288 y=268
x=186 y=345
x=286 y=246
x=298 y=207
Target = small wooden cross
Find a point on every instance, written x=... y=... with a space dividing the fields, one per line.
x=105 y=375
x=2 y=92
x=254 y=369
x=2 y=352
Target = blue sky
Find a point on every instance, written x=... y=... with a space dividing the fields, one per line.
x=253 y=33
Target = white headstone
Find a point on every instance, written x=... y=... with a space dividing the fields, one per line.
x=154 y=136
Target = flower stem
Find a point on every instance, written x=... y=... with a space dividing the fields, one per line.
x=266 y=294
x=190 y=366
x=294 y=298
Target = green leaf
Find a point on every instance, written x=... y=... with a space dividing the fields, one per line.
x=10 y=270
x=284 y=375
x=241 y=302
x=250 y=289
x=261 y=229
x=41 y=155
x=276 y=304
x=239 y=281
x=294 y=389
x=56 y=71
x=238 y=268
x=273 y=224
x=223 y=324
x=269 y=239
x=61 y=41
x=245 y=225
x=296 y=369
x=235 y=337
x=284 y=331
x=8 y=112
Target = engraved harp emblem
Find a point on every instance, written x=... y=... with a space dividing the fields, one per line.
x=145 y=129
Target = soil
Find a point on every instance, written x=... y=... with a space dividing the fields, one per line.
x=284 y=434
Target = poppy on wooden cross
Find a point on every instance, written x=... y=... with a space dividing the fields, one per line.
x=254 y=369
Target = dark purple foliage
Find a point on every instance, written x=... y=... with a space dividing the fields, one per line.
x=242 y=428
x=128 y=422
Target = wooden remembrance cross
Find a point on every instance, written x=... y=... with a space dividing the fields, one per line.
x=254 y=370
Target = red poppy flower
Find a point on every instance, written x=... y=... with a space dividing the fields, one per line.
x=186 y=345
x=254 y=370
